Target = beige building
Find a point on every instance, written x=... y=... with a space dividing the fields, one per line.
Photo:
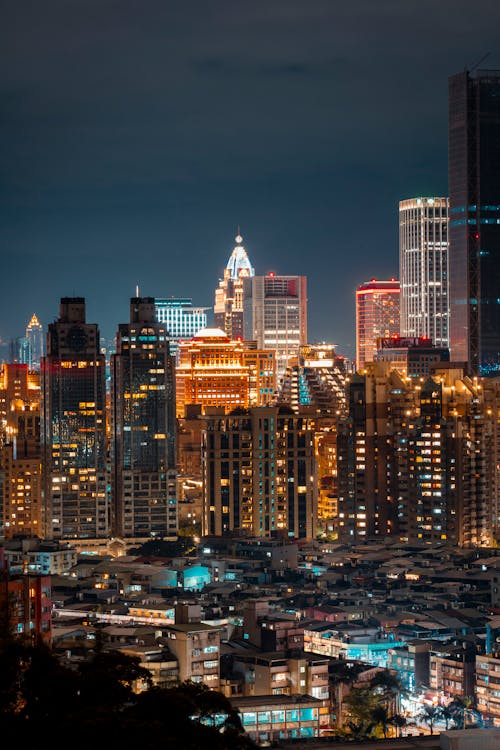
x=197 y=649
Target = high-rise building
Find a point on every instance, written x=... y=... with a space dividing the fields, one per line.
x=418 y=458
x=474 y=232
x=34 y=337
x=214 y=370
x=228 y=309
x=21 y=471
x=377 y=316
x=316 y=380
x=73 y=428
x=180 y=319
x=259 y=473
x=415 y=357
x=423 y=269
x=275 y=315
x=143 y=478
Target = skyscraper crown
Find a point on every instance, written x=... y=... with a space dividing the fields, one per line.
x=239 y=263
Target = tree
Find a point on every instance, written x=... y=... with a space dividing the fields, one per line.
x=388 y=686
x=361 y=704
x=43 y=702
x=429 y=715
x=380 y=716
x=398 y=721
x=447 y=714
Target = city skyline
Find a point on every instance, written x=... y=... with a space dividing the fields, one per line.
x=178 y=129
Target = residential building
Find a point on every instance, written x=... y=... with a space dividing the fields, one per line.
x=143 y=481
x=26 y=600
x=196 y=647
x=73 y=427
x=259 y=473
x=279 y=717
x=474 y=231
x=487 y=692
x=423 y=269
x=21 y=469
x=377 y=316
x=415 y=357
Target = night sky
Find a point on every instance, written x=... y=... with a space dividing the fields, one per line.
x=137 y=135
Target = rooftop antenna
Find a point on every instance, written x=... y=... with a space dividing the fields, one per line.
x=137 y=290
x=484 y=57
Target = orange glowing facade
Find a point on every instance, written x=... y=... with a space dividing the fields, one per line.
x=377 y=316
x=213 y=370
x=20 y=457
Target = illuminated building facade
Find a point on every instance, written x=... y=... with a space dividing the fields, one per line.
x=228 y=309
x=418 y=458
x=275 y=315
x=34 y=337
x=73 y=430
x=377 y=316
x=415 y=357
x=180 y=319
x=19 y=389
x=259 y=474
x=26 y=601
x=21 y=469
x=143 y=477
x=423 y=269
x=315 y=380
x=216 y=371
x=474 y=232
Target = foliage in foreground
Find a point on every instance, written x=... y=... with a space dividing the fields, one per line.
x=46 y=705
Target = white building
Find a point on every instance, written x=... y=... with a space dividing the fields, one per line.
x=180 y=318
x=423 y=269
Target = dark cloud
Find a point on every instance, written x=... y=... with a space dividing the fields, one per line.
x=137 y=134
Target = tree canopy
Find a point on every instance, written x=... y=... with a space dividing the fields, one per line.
x=44 y=704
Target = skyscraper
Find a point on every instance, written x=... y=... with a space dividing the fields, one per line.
x=377 y=316
x=180 y=319
x=73 y=429
x=275 y=315
x=228 y=308
x=423 y=269
x=474 y=186
x=259 y=473
x=34 y=336
x=143 y=427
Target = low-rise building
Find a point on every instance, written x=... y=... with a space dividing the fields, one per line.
x=278 y=717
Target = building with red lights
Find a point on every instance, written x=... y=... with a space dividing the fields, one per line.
x=377 y=316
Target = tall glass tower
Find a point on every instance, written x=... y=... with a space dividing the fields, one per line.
x=474 y=230
x=73 y=427
x=423 y=269
x=143 y=427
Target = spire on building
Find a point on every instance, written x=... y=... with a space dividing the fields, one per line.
x=34 y=322
x=239 y=264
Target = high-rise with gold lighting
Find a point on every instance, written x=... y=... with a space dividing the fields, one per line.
x=214 y=370
x=20 y=457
